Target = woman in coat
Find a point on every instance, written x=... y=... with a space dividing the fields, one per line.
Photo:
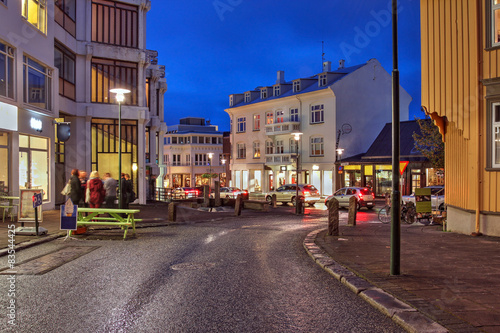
x=96 y=191
x=75 y=193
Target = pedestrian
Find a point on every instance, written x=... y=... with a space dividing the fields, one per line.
x=110 y=187
x=82 y=175
x=75 y=193
x=124 y=192
x=95 y=190
x=130 y=189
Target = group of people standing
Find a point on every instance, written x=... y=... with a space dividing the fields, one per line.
x=94 y=191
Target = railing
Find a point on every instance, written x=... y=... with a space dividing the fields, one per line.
x=282 y=128
x=276 y=159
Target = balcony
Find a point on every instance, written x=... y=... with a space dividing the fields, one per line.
x=282 y=128
x=280 y=159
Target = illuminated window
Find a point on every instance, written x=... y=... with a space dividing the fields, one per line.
x=256 y=122
x=495 y=131
x=256 y=149
x=6 y=71
x=37 y=84
x=35 y=11
x=108 y=74
x=269 y=118
x=280 y=116
x=115 y=23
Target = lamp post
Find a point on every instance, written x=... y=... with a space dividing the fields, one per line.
x=210 y=155
x=339 y=154
x=120 y=97
x=296 y=136
x=223 y=161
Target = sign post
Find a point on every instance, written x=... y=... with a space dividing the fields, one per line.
x=30 y=210
x=68 y=216
x=37 y=201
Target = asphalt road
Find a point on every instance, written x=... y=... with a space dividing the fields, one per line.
x=238 y=275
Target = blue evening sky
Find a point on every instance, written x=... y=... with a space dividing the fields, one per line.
x=214 y=48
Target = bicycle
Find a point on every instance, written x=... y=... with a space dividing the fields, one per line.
x=408 y=213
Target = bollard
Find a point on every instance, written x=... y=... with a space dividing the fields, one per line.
x=237 y=206
x=333 y=217
x=206 y=193
x=273 y=201
x=217 y=194
x=172 y=212
x=351 y=219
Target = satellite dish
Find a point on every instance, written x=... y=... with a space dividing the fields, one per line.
x=346 y=128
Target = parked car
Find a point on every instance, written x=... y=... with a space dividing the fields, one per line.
x=184 y=193
x=231 y=193
x=287 y=193
x=200 y=190
x=364 y=197
x=437 y=197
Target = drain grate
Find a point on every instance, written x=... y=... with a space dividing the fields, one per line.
x=47 y=262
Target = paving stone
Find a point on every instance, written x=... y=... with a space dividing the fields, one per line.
x=417 y=322
x=356 y=284
x=385 y=302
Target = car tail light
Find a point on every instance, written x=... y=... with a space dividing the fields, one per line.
x=360 y=196
x=307 y=192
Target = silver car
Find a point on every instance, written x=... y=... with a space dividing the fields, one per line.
x=437 y=197
x=287 y=193
x=364 y=197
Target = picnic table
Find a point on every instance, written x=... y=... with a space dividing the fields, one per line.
x=117 y=217
x=7 y=205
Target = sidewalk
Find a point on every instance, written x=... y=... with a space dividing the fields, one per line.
x=452 y=279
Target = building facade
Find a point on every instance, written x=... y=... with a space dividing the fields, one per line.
x=341 y=109
x=193 y=149
x=58 y=66
x=460 y=91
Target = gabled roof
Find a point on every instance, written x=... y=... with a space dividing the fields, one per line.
x=381 y=149
x=313 y=87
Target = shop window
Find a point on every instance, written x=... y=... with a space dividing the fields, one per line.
x=108 y=74
x=115 y=23
x=34 y=164
x=35 y=12
x=6 y=70
x=37 y=84
x=4 y=165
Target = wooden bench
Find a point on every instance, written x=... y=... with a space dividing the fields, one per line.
x=115 y=218
x=7 y=205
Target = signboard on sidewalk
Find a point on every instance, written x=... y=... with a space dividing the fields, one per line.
x=26 y=210
x=423 y=200
x=68 y=215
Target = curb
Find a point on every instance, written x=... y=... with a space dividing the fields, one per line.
x=403 y=314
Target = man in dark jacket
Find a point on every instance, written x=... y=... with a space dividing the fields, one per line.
x=75 y=193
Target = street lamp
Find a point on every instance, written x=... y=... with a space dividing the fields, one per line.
x=296 y=136
x=120 y=97
x=223 y=161
x=339 y=154
x=210 y=155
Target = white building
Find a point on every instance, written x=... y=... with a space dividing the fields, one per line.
x=192 y=149
x=346 y=107
x=57 y=66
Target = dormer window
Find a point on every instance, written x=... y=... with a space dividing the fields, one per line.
x=277 y=91
x=296 y=86
x=247 y=97
x=231 y=100
x=322 y=80
x=263 y=94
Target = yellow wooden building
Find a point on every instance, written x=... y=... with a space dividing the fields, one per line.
x=461 y=92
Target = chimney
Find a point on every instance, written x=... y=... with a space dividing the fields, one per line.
x=327 y=66
x=281 y=77
x=341 y=63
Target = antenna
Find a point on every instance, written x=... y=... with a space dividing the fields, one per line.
x=322 y=52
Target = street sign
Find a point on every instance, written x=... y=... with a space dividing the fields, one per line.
x=68 y=215
x=402 y=166
x=37 y=199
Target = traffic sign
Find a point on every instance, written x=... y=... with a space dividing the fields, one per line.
x=402 y=166
x=37 y=199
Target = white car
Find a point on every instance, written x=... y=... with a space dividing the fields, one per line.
x=287 y=193
x=437 y=197
x=364 y=197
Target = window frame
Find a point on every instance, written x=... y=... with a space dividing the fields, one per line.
x=296 y=86
x=294 y=115
x=41 y=14
x=322 y=80
x=47 y=73
x=492 y=20
x=256 y=149
x=247 y=97
x=277 y=91
x=65 y=15
x=10 y=69
x=317 y=111
x=67 y=88
x=125 y=74
x=269 y=118
x=241 y=151
x=313 y=146
x=494 y=128
x=256 y=122
x=279 y=116
x=263 y=94
x=241 y=125
x=269 y=147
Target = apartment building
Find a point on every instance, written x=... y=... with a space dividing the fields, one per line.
x=336 y=110
x=193 y=149
x=59 y=60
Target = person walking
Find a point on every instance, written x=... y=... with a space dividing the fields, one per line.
x=82 y=176
x=110 y=187
x=95 y=190
x=130 y=189
x=75 y=193
x=125 y=189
